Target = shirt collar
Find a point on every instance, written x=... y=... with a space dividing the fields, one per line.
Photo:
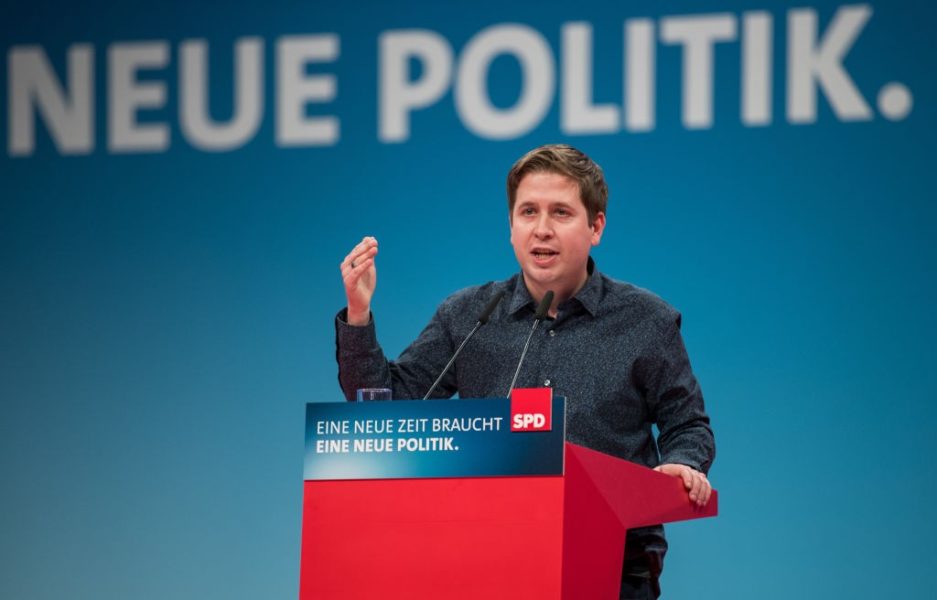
x=588 y=296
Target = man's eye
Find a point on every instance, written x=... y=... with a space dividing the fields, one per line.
x=562 y=212
x=527 y=211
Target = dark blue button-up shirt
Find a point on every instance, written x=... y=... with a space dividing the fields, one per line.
x=613 y=350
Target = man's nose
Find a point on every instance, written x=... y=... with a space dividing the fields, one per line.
x=543 y=227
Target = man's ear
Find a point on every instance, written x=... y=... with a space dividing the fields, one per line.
x=598 y=226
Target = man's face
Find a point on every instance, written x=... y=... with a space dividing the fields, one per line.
x=552 y=235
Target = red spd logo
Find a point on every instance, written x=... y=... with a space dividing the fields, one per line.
x=532 y=409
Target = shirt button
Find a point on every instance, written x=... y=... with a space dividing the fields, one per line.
x=546 y=383
x=552 y=332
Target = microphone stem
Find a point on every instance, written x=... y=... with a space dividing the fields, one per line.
x=452 y=360
x=523 y=354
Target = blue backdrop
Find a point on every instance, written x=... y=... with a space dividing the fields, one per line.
x=166 y=308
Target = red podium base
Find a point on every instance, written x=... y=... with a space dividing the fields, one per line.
x=541 y=538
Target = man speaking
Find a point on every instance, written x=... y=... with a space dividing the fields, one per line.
x=612 y=349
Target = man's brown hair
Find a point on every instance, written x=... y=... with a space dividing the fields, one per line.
x=563 y=160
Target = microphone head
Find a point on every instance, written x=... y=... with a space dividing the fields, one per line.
x=490 y=307
x=544 y=307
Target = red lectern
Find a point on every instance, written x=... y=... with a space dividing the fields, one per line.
x=555 y=537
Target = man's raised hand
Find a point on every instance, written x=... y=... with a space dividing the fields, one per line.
x=359 y=274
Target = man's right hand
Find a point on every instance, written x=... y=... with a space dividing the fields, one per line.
x=360 y=276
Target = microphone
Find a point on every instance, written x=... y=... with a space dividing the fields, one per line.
x=482 y=319
x=489 y=308
x=541 y=313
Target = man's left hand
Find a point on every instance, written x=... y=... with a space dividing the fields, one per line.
x=695 y=482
